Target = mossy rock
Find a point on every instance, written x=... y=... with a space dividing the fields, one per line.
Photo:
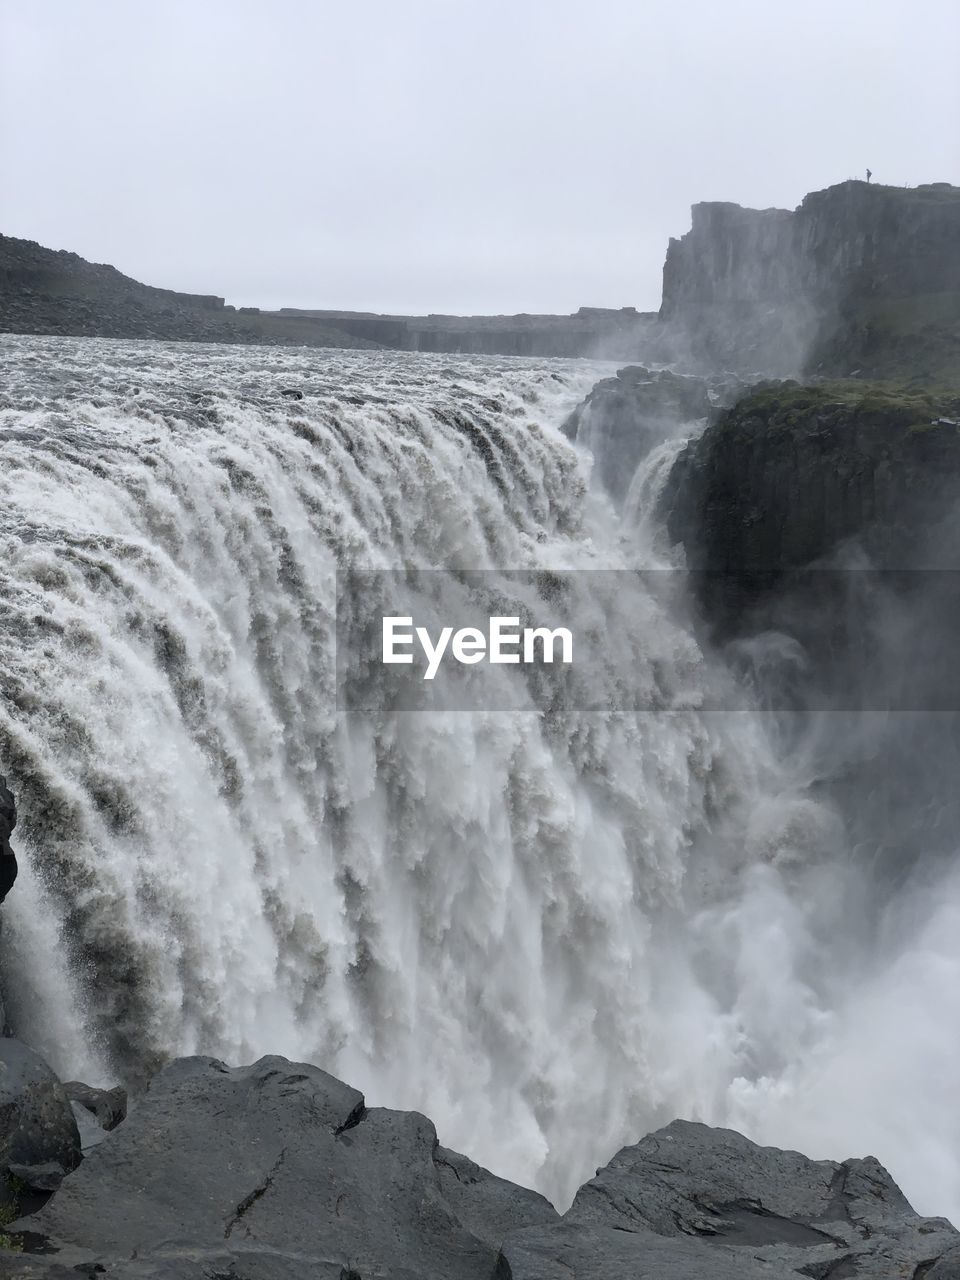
x=791 y=472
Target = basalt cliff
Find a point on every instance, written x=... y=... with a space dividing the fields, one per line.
x=859 y=279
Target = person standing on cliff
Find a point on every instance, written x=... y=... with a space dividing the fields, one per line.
x=869 y=174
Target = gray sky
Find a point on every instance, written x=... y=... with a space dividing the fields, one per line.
x=449 y=155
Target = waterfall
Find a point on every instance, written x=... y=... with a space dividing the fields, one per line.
x=547 y=933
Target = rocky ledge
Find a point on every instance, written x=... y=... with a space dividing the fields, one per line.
x=278 y=1171
x=625 y=417
x=860 y=277
x=792 y=472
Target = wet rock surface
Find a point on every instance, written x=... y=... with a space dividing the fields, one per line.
x=8 y=820
x=625 y=417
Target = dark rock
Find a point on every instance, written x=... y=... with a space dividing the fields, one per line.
x=278 y=1170
x=37 y=1126
x=108 y=1106
x=487 y=1206
x=605 y=1253
x=859 y=276
x=624 y=418
x=791 y=472
x=8 y=820
x=291 y=393
x=38 y=1177
x=690 y=1202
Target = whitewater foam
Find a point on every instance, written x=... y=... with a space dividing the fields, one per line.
x=548 y=932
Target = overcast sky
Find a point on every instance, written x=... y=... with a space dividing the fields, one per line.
x=449 y=155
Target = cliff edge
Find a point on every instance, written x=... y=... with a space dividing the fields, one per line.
x=860 y=278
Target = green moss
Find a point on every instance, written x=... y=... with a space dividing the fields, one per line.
x=895 y=411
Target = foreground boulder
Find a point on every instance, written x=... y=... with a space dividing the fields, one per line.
x=39 y=1141
x=278 y=1171
x=692 y=1203
x=267 y=1172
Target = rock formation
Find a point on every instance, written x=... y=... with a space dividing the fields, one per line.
x=780 y=480
x=859 y=277
x=8 y=820
x=623 y=418
x=39 y=1140
x=691 y=1202
x=54 y=292
x=278 y=1171
x=274 y=1170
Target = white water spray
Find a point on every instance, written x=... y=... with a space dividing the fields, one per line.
x=549 y=934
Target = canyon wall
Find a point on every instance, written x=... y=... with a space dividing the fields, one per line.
x=601 y=332
x=859 y=278
x=47 y=291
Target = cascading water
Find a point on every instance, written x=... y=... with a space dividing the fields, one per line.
x=547 y=934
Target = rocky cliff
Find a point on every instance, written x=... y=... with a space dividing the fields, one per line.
x=860 y=277
x=600 y=332
x=790 y=471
